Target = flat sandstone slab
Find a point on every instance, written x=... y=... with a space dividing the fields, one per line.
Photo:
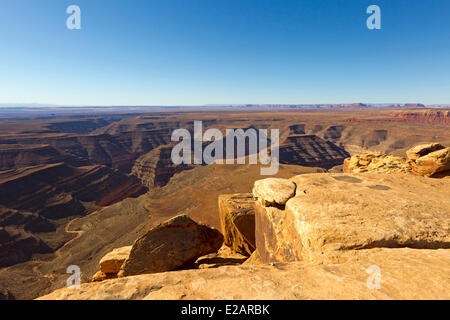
x=335 y=212
x=404 y=274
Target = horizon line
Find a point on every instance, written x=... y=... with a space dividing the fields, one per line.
x=49 y=105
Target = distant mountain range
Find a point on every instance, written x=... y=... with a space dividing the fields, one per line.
x=36 y=110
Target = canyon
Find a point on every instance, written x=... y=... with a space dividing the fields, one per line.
x=74 y=187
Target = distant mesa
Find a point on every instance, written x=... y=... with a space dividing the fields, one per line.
x=440 y=117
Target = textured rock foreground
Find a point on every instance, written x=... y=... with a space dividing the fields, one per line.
x=428 y=160
x=320 y=236
x=405 y=274
x=335 y=212
x=376 y=163
x=433 y=163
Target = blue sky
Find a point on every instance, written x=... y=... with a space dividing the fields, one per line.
x=195 y=52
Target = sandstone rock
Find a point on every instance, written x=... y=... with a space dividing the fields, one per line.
x=112 y=261
x=335 y=212
x=224 y=257
x=434 y=162
x=237 y=217
x=170 y=245
x=254 y=259
x=422 y=150
x=404 y=274
x=101 y=276
x=376 y=163
x=273 y=191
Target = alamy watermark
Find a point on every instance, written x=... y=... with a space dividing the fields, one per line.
x=191 y=150
x=374 y=20
x=374 y=280
x=73 y=22
x=74 y=281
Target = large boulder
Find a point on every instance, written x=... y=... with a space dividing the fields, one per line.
x=237 y=218
x=273 y=191
x=404 y=274
x=434 y=162
x=170 y=245
x=422 y=150
x=331 y=213
x=112 y=261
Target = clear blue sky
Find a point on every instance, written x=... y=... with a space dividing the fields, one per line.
x=186 y=52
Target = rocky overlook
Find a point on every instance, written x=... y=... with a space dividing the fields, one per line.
x=317 y=236
x=75 y=188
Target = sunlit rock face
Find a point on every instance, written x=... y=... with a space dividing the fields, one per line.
x=334 y=212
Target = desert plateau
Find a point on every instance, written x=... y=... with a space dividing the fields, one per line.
x=101 y=191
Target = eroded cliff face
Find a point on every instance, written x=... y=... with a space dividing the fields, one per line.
x=18 y=245
x=116 y=151
x=34 y=199
x=155 y=168
x=55 y=190
x=310 y=150
x=17 y=156
x=117 y=141
x=438 y=117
